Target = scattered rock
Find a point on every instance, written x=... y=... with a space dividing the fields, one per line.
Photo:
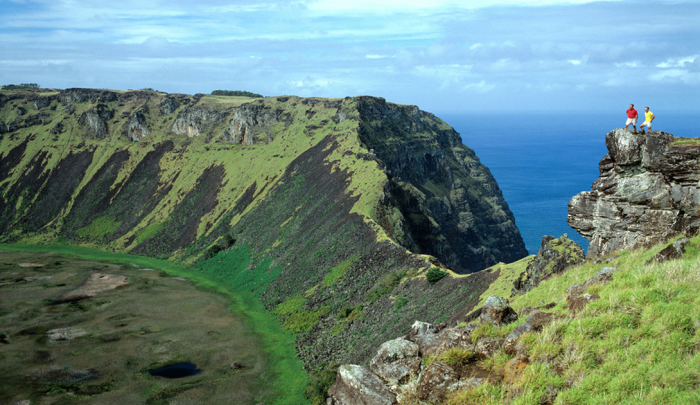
x=30 y=265
x=510 y=342
x=457 y=337
x=555 y=256
x=4 y=338
x=576 y=304
x=539 y=320
x=64 y=334
x=487 y=347
x=396 y=361
x=514 y=368
x=237 y=366
x=497 y=311
x=437 y=380
x=95 y=283
x=675 y=250
x=63 y=375
x=355 y=385
x=425 y=335
x=526 y=311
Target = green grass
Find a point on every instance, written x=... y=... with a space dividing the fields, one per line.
x=288 y=378
x=638 y=344
x=98 y=228
x=338 y=271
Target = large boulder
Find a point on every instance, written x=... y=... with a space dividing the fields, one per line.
x=647 y=192
x=355 y=385
x=497 y=311
x=396 y=361
x=555 y=256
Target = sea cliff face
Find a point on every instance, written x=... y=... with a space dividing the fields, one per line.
x=647 y=192
x=329 y=211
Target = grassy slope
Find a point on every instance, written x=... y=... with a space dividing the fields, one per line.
x=288 y=379
x=637 y=344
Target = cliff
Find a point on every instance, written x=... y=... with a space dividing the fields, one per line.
x=647 y=192
x=330 y=211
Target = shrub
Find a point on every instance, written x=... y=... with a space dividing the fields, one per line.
x=435 y=274
x=240 y=93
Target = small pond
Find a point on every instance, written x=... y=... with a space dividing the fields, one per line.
x=178 y=370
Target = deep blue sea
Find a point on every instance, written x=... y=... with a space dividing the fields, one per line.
x=541 y=160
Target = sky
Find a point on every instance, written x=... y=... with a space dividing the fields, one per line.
x=442 y=55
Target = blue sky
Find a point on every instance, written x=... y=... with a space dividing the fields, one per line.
x=442 y=55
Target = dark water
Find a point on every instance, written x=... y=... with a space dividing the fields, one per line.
x=179 y=370
x=541 y=160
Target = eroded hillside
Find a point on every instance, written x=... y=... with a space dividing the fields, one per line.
x=330 y=211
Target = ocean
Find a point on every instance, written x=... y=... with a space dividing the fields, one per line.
x=541 y=160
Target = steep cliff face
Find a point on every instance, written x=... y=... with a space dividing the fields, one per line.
x=450 y=203
x=308 y=204
x=647 y=192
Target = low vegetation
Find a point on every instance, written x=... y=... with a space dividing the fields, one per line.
x=638 y=343
x=235 y=93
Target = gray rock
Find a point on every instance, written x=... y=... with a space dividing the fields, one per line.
x=497 y=311
x=554 y=256
x=510 y=342
x=456 y=337
x=436 y=381
x=355 y=385
x=63 y=334
x=646 y=193
x=674 y=251
x=426 y=336
x=396 y=361
x=487 y=347
x=251 y=121
x=539 y=319
x=135 y=129
x=193 y=121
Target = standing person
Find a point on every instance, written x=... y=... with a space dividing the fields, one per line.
x=632 y=118
x=648 y=118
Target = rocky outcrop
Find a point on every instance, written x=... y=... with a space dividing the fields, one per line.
x=135 y=129
x=497 y=311
x=396 y=361
x=647 y=192
x=554 y=256
x=194 y=121
x=77 y=95
x=94 y=121
x=357 y=386
x=251 y=120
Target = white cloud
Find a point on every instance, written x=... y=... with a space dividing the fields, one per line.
x=574 y=62
x=677 y=62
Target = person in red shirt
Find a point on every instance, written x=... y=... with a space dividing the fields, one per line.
x=632 y=118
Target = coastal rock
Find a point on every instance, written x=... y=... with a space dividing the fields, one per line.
x=396 y=361
x=647 y=192
x=554 y=256
x=357 y=386
x=497 y=311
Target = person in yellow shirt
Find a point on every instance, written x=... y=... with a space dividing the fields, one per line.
x=648 y=118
